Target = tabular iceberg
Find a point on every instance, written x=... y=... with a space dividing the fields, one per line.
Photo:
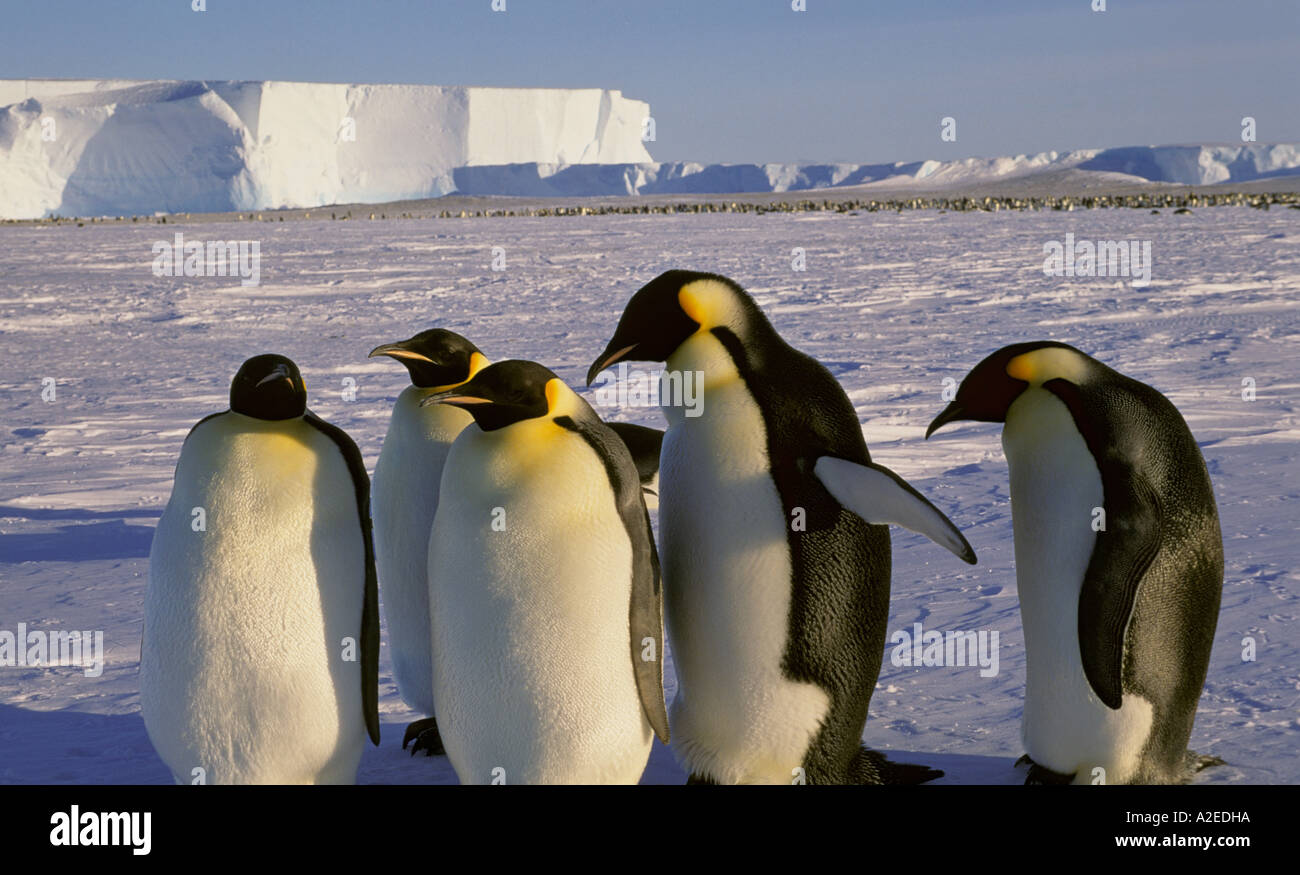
x=94 y=147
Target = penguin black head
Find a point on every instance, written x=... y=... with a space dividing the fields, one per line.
x=672 y=307
x=995 y=383
x=509 y=392
x=436 y=357
x=268 y=387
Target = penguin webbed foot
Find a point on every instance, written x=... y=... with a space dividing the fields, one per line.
x=1200 y=762
x=873 y=767
x=1042 y=775
x=426 y=737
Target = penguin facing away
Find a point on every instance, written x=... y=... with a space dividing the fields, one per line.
x=407 y=477
x=1119 y=562
x=259 y=661
x=545 y=594
x=774 y=541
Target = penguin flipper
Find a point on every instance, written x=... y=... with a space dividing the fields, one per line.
x=370 y=641
x=881 y=497
x=644 y=443
x=646 y=616
x=646 y=607
x=369 y=632
x=1120 y=559
x=1125 y=548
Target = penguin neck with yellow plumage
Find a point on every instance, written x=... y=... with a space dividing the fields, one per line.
x=436 y=360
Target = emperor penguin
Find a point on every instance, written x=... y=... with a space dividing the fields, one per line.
x=405 y=500
x=1119 y=562
x=259 y=663
x=544 y=581
x=772 y=519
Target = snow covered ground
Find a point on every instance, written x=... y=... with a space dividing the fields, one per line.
x=892 y=304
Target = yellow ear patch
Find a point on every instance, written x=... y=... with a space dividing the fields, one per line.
x=1022 y=367
x=477 y=362
x=691 y=304
x=560 y=399
x=554 y=391
x=707 y=301
x=1048 y=363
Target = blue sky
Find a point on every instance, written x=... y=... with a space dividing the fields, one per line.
x=744 y=80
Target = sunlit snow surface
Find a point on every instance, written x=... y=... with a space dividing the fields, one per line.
x=892 y=303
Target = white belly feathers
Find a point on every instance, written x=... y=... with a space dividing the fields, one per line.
x=241 y=668
x=1055 y=484
x=405 y=499
x=532 y=667
x=727 y=586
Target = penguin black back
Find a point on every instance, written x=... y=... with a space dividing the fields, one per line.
x=1155 y=579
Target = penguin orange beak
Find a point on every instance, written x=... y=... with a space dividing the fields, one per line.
x=612 y=358
x=397 y=351
x=456 y=399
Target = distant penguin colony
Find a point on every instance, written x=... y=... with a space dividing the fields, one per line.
x=528 y=607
